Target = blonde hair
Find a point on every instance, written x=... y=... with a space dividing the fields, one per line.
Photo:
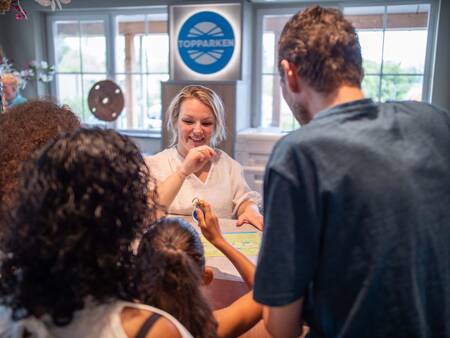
x=10 y=79
x=206 y=96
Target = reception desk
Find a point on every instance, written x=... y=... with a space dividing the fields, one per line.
x=228 y=285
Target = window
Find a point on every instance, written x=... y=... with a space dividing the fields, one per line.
x=80 y=60
x=275 y=112
x=395 y=68
x=131 y=49
x=393 y=43
x=142 y=62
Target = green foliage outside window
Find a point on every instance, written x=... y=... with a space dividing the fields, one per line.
x=397 y=86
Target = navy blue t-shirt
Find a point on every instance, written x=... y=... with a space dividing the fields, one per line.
x=357 y=221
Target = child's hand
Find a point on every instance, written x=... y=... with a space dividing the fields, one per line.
x=208 y=222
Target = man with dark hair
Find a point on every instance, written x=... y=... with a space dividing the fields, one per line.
x=357 y=201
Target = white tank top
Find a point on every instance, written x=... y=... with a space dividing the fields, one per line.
x=99 y=321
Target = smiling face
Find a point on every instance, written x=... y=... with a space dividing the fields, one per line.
x=195 y=125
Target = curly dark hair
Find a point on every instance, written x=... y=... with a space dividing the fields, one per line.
x=24 y=129
x=170 y=261
x=325 y=48
x=82 y=201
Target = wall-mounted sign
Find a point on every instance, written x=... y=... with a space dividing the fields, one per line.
x=205 y=42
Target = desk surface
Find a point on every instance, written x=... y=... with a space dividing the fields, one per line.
x=227 y=285
x=245 y=238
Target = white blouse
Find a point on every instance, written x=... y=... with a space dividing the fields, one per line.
x=224 y=189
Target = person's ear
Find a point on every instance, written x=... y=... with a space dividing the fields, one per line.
x=290 y=75
x=208 y=276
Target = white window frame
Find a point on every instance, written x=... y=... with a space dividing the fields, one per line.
x=262 y=10
x=109 y=16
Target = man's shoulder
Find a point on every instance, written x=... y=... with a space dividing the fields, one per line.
x=426 y=115
x=298 y=140
x=410 y=106
x=288 y=154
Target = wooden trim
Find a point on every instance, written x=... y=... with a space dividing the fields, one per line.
x=96 y=28
x=369 y=21
x=138 y=27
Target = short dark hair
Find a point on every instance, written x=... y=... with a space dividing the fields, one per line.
x=325 y=48
x=81 y=202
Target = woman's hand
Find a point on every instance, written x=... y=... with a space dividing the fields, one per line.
x=208 y=222
x=196 y=159
x=251 y=215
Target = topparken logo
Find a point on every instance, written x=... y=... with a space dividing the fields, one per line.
x=206 y=42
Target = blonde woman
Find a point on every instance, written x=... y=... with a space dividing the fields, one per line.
x=192 y=166
x=11 y=92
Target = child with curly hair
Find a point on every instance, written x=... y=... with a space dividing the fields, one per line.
x=69 y=269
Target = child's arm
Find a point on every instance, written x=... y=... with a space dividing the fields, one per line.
x=209 y=226
x=244 y=313
x=239 y=317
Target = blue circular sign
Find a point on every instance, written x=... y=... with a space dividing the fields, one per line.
x=206 y=42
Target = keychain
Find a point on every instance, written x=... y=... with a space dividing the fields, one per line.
x=195 y=201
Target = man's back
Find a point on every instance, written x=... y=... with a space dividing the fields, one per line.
x=372 y=183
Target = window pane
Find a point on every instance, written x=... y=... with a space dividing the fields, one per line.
x=370 y=86
x=70 y=92
x=272 y=27
x=156 y=53
x=287 y=119
x=153 y=113
x=267 y=101
x=142 y=48
x=93 y=46
x=120 y=53
x=73 y=90
x=371 y=49
x=268 y=48
x=406 y=39
x=142 y=101
x=401 y=87
x=67 y=46
x=403 y=56
x=142 y=44
x=131 y=28
x=275 y=111
x=132 y=87
x=271 y=99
